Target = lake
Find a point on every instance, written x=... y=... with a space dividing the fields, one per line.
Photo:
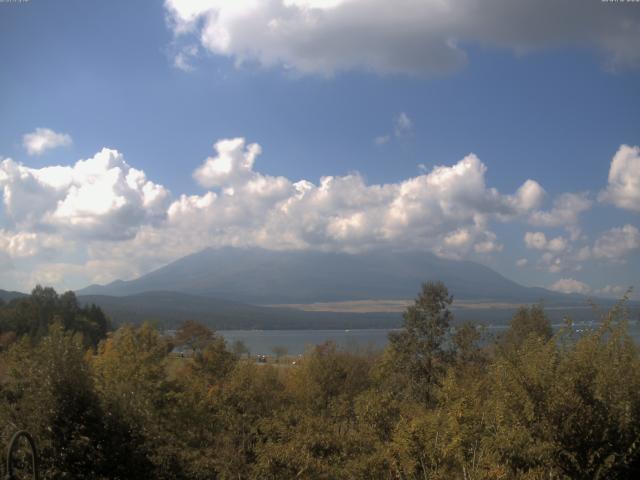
x=296 y=341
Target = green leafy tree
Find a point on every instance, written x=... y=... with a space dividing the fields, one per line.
x=418 y=352
x=33 y=315
x=527 y=322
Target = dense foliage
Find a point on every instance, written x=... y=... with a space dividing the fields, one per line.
x=33 y=315
x=436 y=404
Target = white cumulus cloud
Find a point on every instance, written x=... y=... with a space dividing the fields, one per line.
x=100 y=218
x=539 y=241
x=570 y=285
x=529 y=195
x=232 y=165
x=617 y=243
x=558 y=253
x=424 y=37
x=99 y=197
x=489 y=244
x=566 y=210
x=623 y=189
x=42 y=139
x=28 y=244
x=446 y=210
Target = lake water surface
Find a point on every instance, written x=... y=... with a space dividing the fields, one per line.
x=296 y=341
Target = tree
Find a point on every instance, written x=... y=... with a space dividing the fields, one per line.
x=33 y=315
x=418 y=350
x=193 y=335
x=130 y=374
x=466 y=346
x=49 y=391
x=6 y=339
x=214 y=362
x=239 y=348
x=279 y=351
x=569 y=407
x=317 y=436
x=249 y=395
x=527 y=322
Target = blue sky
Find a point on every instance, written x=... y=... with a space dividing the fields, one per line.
x=146 y=80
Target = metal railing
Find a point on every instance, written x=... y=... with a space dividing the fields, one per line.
x=10 y=471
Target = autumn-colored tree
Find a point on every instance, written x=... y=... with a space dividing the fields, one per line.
x=569 y=407
x=436 y=404
x=193 y=335
x=130 y=375
x=48 y=390
x=239 y=348
x=279 y=351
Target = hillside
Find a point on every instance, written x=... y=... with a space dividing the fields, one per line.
x=7 y=296
x=171 y=308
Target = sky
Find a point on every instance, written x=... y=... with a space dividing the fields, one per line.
x=507 y=133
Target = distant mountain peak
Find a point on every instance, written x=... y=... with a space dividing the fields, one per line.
x=259 y=276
